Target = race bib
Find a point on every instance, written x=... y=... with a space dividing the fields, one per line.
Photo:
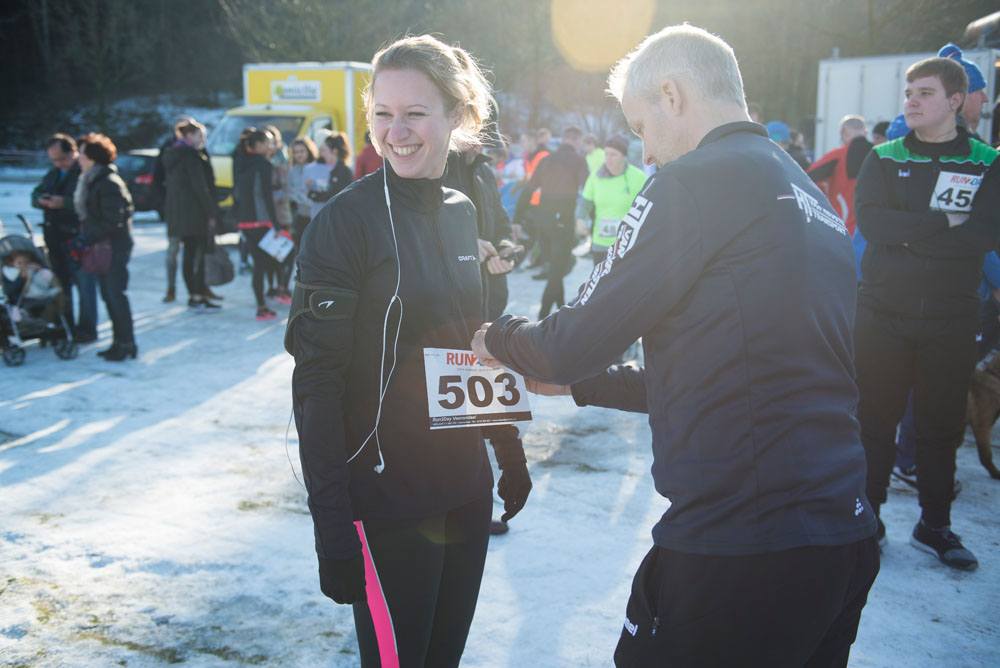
x=607 y=228
x=954 y=192
x=277 y=245
x=463 y=393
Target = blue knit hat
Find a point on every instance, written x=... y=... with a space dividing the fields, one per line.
x=898 y=128
x=976 y=80
x=778 y=131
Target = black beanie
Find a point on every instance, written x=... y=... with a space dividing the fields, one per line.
x=618 y=143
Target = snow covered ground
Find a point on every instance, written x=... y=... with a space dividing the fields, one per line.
x=150 y=515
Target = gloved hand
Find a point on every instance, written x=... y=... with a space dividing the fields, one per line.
x=343 y=580
x=513 y=488
x=515 y=483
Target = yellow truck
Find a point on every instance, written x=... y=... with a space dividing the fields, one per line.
x=300 y=99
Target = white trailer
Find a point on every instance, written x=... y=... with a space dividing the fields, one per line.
x=873 y=87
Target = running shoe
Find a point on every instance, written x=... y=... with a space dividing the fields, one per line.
x=498 y=527
x=945 y=545
x=907 y=474
x=265 y=314
x=284 y=299
x=203 y=306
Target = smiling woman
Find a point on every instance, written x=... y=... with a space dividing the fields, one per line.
x=388 y=270
x=423 y=100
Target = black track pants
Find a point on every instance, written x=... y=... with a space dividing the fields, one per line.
x=792 y=608
x=427 y=575
x=935 y=358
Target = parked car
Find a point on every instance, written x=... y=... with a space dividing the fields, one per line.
x=136 y=169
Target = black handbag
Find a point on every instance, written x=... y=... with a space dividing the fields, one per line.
x=218 y=267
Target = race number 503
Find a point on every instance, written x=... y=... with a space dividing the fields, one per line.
x=463 y=393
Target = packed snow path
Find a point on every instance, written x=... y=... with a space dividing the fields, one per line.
x=150 y=516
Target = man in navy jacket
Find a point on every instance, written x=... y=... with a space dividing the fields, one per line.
x=739 y=278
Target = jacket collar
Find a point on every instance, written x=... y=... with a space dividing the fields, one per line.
x=957 y=146
x=732 y=128
x=423 y=195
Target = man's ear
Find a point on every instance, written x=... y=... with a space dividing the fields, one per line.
x=956 y=101
x=673 y=98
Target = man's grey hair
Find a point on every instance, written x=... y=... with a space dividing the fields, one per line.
x=703 y=60
x=853 y=122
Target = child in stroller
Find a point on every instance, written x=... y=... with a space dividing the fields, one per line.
x=32 y=300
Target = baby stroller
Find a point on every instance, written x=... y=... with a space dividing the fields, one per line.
x=28 y=317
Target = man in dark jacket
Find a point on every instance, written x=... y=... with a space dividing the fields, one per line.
x=54 y=195
x=559 y=176
x=927 y=205
x=739 y=278
x=190 y=207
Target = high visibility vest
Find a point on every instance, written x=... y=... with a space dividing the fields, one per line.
x=529 y=169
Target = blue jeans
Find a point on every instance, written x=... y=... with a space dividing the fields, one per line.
x=86 y=289
x=113 y=286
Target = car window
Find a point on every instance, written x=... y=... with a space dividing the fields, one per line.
x=320 y=128
x=133 y=165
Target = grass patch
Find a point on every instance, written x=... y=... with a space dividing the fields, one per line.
x=167 y=654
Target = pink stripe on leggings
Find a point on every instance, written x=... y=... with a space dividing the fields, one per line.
x=378 y=607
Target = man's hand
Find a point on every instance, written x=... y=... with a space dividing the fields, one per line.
x=343 y=580
x=956 y=219
x=479 y=348
x=55 y=202
x=547 y=389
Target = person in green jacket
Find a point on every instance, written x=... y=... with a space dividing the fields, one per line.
x=608 y=195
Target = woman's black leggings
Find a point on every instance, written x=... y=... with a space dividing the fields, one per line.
x=422 y=579
x=262 y=263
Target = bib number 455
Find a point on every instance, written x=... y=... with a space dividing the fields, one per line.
x=478 y=390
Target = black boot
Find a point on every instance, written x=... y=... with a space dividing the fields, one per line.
x=121 y=351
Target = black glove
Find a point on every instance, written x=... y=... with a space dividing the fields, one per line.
x=513 y=488
x=343 y=580
x=515 y=483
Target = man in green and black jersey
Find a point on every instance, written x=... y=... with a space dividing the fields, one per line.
x=927 y=203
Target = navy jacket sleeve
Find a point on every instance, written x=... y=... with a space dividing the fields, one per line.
x=657 y=258
x=621 y=386
x=882 y=224
x=332 y=258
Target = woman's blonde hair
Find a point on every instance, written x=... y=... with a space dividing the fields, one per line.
x=454 y=72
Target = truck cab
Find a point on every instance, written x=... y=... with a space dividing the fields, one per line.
x=300 y=99
x=293 y=121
